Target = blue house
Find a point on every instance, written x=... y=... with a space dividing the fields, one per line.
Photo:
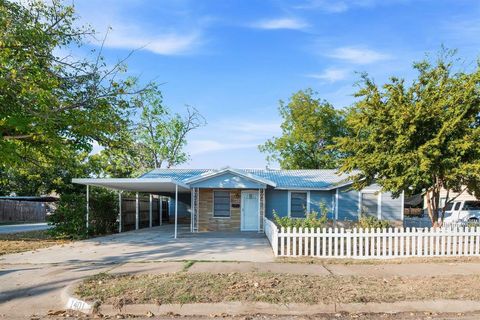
x=238 y=199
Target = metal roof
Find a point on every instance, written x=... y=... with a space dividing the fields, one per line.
x=284 y=179
x=157 y=184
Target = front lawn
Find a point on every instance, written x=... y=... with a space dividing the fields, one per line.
x=273 y=288
x=26 y=241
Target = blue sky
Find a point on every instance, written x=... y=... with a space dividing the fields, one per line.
x=233 y=60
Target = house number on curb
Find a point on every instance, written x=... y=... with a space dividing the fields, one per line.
x=79 y=305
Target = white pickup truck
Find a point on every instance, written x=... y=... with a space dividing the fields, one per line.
x=463 y=211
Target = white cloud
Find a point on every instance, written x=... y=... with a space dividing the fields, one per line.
x=256 y=128
x=338 y=6
x=229 y=134
x=177 y=30
x=325 y=5
x=331 y=75
x=280 y=23
x=164 y=44
x=358 y=55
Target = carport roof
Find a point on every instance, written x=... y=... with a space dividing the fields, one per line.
x=136 y=184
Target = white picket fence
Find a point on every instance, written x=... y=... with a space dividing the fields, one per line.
x=373 y=243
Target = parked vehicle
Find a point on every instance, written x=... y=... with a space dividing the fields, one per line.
x=463 y=211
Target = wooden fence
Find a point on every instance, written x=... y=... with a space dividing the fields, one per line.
x=373 y=243
x=22 y=211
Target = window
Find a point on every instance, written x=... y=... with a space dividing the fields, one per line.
x=449 y=206
x=369 y=204
x=457 y=206
x=298 y=204
x=471 y=205
x=221 y=203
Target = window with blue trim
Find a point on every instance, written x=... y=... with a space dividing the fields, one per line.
x=298 y=204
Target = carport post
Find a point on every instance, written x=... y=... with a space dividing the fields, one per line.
x=136 y=212
x=176 y=208
x=119 y=211
x=191 y=210
x=150 y=212
x=88 y=204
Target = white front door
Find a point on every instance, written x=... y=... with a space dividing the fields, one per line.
x=250 y=212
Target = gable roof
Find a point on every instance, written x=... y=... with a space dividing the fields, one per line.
x=242 y=173
x=323 y=179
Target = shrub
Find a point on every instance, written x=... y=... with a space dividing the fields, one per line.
x=311 y=220
x=69 y=217
x=69 y=220
x=369 y=221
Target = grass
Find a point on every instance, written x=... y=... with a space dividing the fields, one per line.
x=187 y=264
x=273 y=288
x=26 y=241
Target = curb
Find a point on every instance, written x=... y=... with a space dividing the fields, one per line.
x=242 y=308
x=294 y=309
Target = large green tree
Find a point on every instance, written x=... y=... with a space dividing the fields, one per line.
x=156 y=140
x=309 y=128
x=418 y=137
x=53 y=107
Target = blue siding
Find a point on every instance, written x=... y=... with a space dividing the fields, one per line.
x=276 y=200
x=317 y=197
x=391 y=207
x=347 y=204
x=228 y=181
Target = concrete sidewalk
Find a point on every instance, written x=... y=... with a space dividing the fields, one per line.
x=373 y=270
x=28 y=289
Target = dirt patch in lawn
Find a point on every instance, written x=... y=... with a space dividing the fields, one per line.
x=26 y=241
x=326 y=261
x=273 y=288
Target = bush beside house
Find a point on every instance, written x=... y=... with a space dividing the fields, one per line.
x=69 y=220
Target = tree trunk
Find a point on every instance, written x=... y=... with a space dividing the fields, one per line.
x=433 y=196
x=445 y=206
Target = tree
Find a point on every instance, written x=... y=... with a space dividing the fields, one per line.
x=162 y=135
x=419 y=137
x=52 y=108
x=156 y=140
x=309 y=128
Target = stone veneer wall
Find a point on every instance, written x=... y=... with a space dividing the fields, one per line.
x=207 y=222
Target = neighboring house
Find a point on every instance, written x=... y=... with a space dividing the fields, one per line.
x=237 y=199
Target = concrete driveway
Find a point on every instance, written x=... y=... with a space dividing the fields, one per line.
x=32 y=282
x=155 y=244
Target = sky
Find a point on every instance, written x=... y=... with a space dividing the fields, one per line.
x=233 y=60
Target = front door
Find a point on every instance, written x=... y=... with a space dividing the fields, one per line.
x=250 y=212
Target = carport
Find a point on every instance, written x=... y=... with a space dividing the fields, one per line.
x=151 y=186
